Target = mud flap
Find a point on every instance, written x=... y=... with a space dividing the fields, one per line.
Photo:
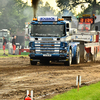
x=82 y=52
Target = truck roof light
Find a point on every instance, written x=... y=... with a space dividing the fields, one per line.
x=93 y=14
x=35 y=19
x=86 y=15
x=60 y=19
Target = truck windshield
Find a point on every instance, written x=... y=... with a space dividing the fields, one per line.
x=84 y=26
x=47 y=30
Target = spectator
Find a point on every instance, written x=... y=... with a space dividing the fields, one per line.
x=14 y=44
x=4 y=44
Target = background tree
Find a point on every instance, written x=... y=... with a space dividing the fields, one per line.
x=42 y=10
x=14 y=14
x=11 y=15
x=89 y=10
x=46 y=10
x=93 y=5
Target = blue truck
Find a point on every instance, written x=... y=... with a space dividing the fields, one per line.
x=50 y=41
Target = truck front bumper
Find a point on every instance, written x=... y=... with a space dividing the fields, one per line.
x=51 y=57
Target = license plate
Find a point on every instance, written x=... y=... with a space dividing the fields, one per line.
x=46 y=55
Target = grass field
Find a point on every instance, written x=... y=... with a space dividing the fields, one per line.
x=6 y=51
x=91 y=92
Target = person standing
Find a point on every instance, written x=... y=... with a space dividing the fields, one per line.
x=4 y=44
x=14 y=44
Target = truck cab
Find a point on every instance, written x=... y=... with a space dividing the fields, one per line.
x=88 y=37
x=49 y=41
x=86 y=29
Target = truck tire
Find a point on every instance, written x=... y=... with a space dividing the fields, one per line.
x=69 y=62
x=96 y=52
x=77 y=57
x=33 y=62
x=82 y=52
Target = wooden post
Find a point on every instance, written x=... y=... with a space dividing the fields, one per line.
x=31 y=94
x=78 y=82
x=27 y=92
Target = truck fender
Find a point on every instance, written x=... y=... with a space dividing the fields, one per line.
x=68 y=49
x=76 y=55
x=73 y=47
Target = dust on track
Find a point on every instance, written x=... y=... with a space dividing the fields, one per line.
x=17 y=76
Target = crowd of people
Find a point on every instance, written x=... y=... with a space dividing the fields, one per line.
x=13 y=45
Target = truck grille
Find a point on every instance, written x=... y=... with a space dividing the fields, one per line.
x=48 y=50
x=47 y=47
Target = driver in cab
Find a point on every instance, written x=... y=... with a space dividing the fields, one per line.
x=84 y=28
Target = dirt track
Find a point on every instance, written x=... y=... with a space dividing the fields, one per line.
x=17 y=76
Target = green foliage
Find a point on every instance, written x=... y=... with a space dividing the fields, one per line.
x=45 y=10
x=42 y=10
x=14 y=14
x=11 y=15
x=6 y=51
x=89 y=10
x=93 y=5
x=91 y=92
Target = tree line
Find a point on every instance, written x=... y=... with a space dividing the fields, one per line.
x=14 y=13
x=86 y=6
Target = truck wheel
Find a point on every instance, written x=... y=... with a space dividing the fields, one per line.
x=68 y=63
x=33 y=62
x=77 y=57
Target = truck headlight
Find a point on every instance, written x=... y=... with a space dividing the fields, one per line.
x=60 y=51
x=63 y=51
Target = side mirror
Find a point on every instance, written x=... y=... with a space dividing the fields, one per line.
x=96 y=28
